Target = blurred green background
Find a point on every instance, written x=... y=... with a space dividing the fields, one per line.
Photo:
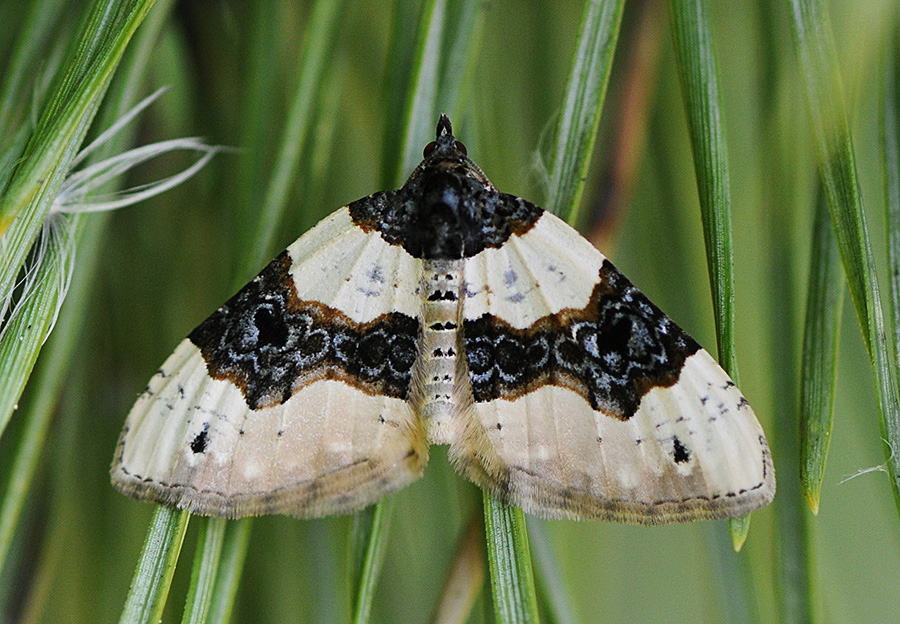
x=164 y=265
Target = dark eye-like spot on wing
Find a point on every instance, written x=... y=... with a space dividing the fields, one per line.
x=201 y=440
x=680 y=452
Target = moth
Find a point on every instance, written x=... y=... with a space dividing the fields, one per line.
x=444 y=312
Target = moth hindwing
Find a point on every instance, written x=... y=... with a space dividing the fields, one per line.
x=444 y=312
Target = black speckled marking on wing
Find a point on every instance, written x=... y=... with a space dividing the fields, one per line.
x=447 y=209
x=612 y=352
x=269 y=343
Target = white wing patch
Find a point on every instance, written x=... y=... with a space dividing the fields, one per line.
x=548 y=269
x=356 y=272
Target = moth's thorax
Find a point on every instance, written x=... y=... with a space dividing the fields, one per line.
x=446 y=210
x=449 y=203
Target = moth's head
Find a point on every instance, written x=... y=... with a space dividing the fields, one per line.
x=445 y=146
x=446 y=155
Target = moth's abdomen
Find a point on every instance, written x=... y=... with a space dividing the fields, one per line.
x=440 y=356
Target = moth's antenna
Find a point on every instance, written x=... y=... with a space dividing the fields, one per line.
x=444 y=125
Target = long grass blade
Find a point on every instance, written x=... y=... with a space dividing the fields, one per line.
x=890 y=154
x=36 y=182
x=47 y=384
x=231 y=566
x=204 y=571
x=792 y=536
x=584 y=96
x=153 y=575
x=509 y=562
x=555 y=596
x=464 y=31
x=815 y=47
x=403 y=44
x=371 y=526
x=22 y=337
x=698 y=72
x=824 y=302
x=370 y=539
x=62 y=126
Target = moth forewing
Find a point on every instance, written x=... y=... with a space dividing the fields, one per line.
x=279 y=404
